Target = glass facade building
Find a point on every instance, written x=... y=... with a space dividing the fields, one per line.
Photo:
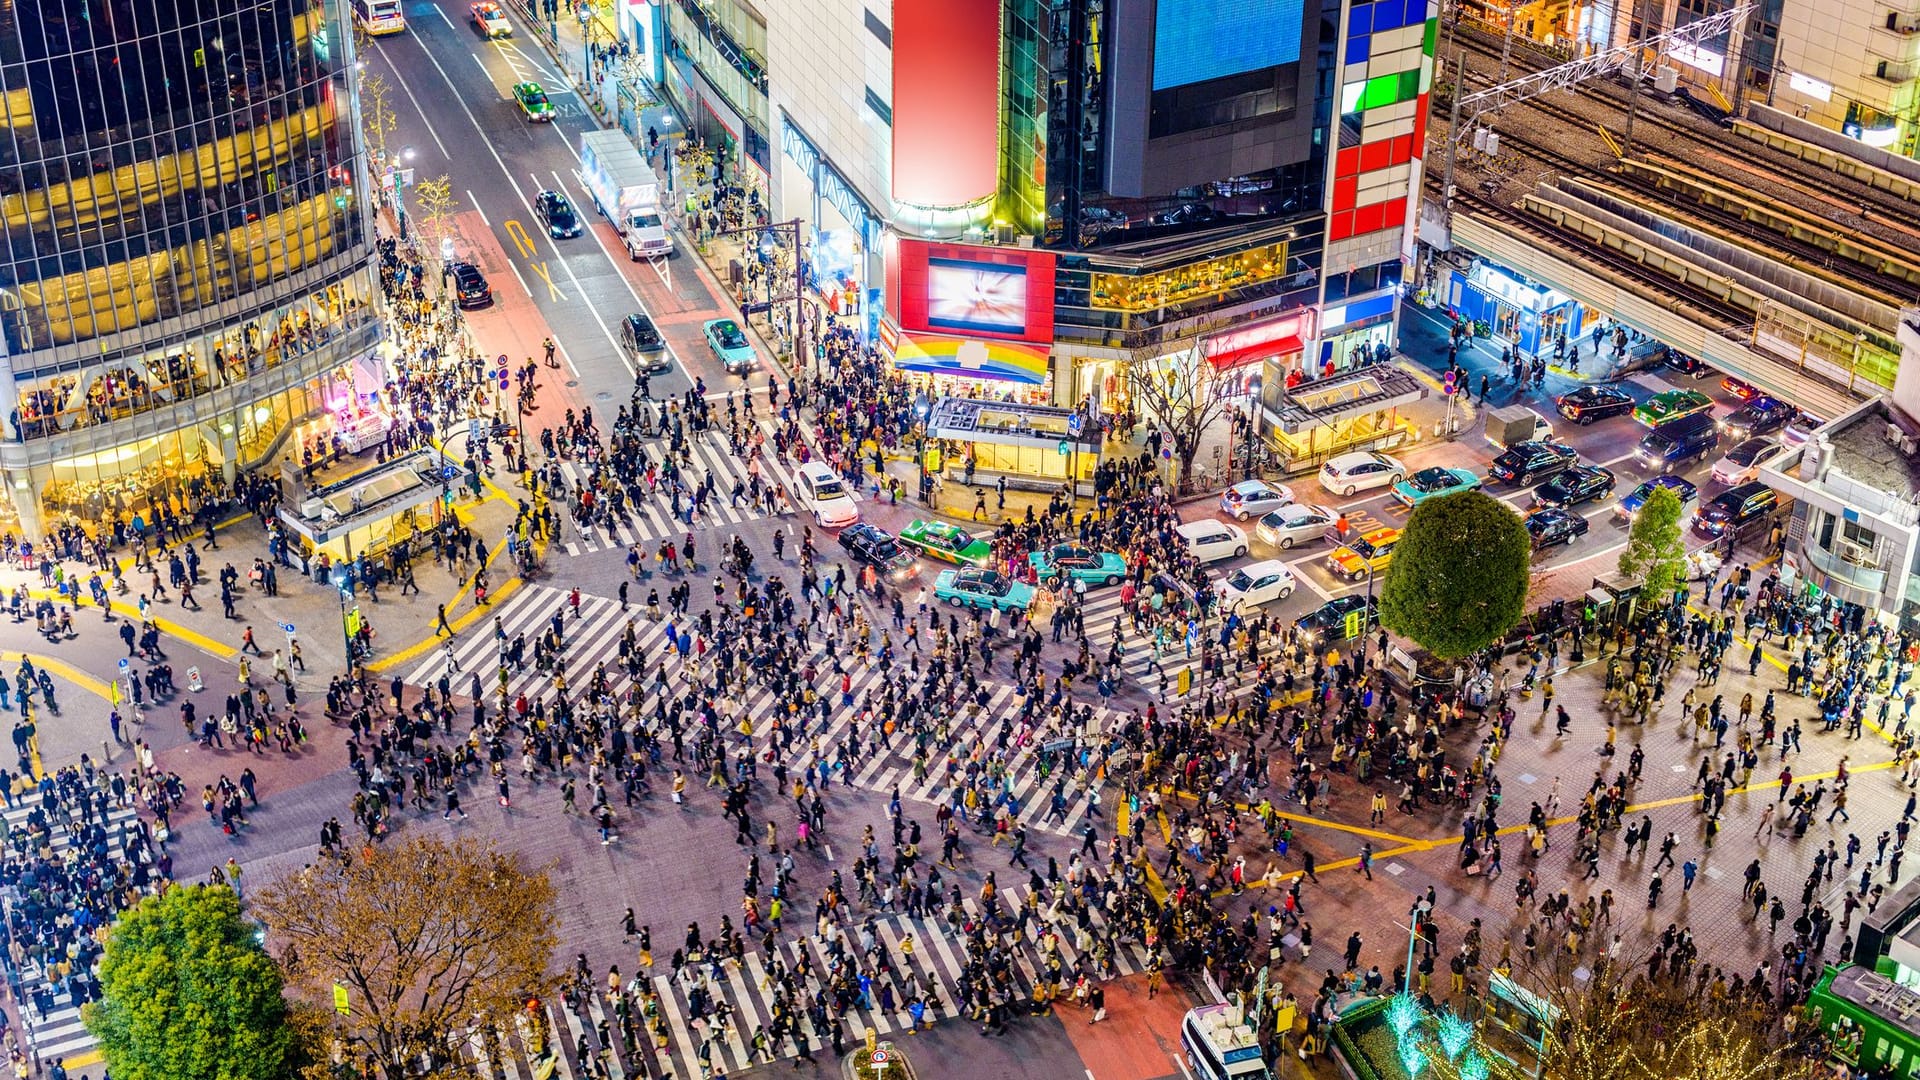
x=186 y=275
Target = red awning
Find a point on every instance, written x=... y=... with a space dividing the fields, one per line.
x=1247 y=354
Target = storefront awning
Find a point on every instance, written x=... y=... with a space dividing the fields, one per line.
x=1247 y=354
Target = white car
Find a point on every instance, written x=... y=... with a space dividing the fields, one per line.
x=1360 y=471
x=1745 y=460
x=1255 y=584
x=1252 y=498
x=824 y=491
x=1211 y=541
x=1298 y=523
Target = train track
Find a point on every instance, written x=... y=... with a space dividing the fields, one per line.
x=1732 y=151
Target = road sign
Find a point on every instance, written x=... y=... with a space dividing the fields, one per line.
x=449 y=472
x=288 y=627
x=1076 y=424
x=124 y=665
x=193 y=680
x=879 y=1057
x=473 y=429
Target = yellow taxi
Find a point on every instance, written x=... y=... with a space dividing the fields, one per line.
x=1365 y=555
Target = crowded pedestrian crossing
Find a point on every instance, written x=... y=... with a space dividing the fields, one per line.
x=713 y=1014
x=48 y=1011
x=1048 y=777
x=658 y=514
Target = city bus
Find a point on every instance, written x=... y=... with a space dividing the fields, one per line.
x=379 y=16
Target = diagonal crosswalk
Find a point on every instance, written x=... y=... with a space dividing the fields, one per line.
x=703 y=1021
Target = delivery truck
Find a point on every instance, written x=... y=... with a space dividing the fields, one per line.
x=623 y=187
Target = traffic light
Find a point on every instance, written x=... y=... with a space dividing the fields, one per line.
x=503 y=378
x=1449 y=388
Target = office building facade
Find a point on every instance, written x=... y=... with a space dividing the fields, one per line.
x=186 y=278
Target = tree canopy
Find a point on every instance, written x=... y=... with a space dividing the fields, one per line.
x=425 y=935
x=1459 y=577
x=1655 y=552
x=188 y=990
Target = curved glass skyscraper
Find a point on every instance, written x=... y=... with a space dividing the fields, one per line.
x=186 y=279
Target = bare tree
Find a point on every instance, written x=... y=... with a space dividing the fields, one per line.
x=1183 y=397
x=377 y=118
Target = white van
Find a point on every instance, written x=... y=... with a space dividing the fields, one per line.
x=1211 y=541
x=827 y=494
x=1221 y=1045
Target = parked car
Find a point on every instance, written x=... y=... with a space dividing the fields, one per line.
x=1255 y=584
x=1526 y=462
x=1671 y=405
x=876 y=547
x=1364 y=556
x=982 y=589
x=1252 y=498
x=470 y=286
x=1211 y=541
x=1579 y=484
x=1761 y=415
x=1360 y=471
x=1736 y=510
x=1551 y=525
x=1434 y=482
x=1629 y=505
x=1745 y=460
x=1332 y=620
x=1296 y=523
x=1077 y=563
x=1591 y=403
x=948 y=543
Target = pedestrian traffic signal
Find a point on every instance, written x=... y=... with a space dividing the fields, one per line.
x=503 y=378
x=1449 y=387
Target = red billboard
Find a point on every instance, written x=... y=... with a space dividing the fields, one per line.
x=946 y=101
x=1004 y=293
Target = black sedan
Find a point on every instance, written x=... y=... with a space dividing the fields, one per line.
x=873 y=546
x=1691 y=366
x=1329 y=622
x=1590 y=403
x=1579 y=484
x=556 y=213
x=470 y=286
x=1551 y=525
x=1535 y=459
x=1760 y=415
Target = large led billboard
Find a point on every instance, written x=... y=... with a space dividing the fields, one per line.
x=1197 y=41
x=946 y=101
x=987 y=292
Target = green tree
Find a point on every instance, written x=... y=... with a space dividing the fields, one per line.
x=1459 y=576
x=1655 y=553
x=188 y=990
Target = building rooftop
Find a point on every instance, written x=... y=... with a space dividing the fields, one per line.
x=1868 y=448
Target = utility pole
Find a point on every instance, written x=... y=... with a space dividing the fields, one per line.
x=1506 y=46
x=1633 y=87
x=1453 y=143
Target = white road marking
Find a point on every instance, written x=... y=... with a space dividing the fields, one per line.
x=523 y=280
x=592 y=309
x=477 y=208
x=395 y=69
x=443 y=18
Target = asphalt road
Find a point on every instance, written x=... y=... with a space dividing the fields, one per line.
x=451 y=92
